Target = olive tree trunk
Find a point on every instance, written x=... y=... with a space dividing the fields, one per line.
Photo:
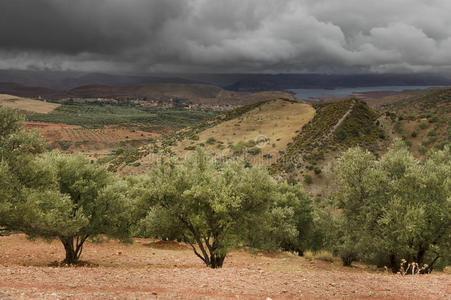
x=73 y=247
x=209 y=247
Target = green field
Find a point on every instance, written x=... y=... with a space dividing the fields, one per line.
x=97 y=116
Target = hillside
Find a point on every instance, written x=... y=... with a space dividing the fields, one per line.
x=184 y=93
x=335 y=127
x=30 y=91
x=180 y=90
x=258 y=132
x=293 y=138
x=158 y=90
x=26 y=104
x=424 y=122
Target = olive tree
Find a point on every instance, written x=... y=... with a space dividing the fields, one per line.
x=18 y=147
x=79 y=200
x=395 y=207
x=215 y=206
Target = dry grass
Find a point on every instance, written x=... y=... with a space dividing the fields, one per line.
x=320 y=255
x=274 y=124
x=27 y=104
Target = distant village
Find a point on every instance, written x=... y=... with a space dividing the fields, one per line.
x=167 y=103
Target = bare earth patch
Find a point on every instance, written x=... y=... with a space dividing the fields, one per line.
x=137 y=271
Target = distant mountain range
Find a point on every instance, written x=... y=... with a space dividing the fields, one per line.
x=189 y=93
x=66 y=80
x=297 y=81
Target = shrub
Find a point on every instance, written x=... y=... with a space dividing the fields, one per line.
x=254 y=151
x=250 y=143
x=308 y=179
x=65 y=145
x=423 y=125
x=238 y=148
x=422 y=149
x=211 y=141
x=433 y=119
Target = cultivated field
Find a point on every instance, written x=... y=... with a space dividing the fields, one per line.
x=165 y=270
x=27 y=104
x=76 y=138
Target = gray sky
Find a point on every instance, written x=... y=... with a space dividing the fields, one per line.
x=227 y=35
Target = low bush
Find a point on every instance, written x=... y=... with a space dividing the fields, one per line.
x=254 y=150
x=210 y=141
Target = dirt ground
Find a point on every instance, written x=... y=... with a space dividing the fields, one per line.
x=150 y=269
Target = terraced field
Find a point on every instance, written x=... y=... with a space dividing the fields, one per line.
x=91 y=141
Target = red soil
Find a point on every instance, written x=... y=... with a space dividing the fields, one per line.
x=137 y=271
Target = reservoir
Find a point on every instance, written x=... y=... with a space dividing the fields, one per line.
x=314 y=94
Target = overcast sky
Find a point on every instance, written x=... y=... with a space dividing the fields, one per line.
x=227 y=35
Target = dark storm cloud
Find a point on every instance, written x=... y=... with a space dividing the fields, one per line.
x=227 y=35
x=73 y=27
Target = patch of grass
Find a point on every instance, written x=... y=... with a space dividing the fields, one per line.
x=324 y=256
x=422 y=149
x=308 y=254
x=423 y=126
x=308 y=179
x=319 y=255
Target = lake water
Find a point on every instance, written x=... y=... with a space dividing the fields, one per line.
x=314 y=94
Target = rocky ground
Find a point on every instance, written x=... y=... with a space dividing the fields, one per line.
x=159 y=270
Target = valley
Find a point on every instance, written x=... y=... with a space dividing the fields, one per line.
x=193 y=149
x=293 y=140
x=298 y=141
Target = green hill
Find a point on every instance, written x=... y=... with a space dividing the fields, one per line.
x=424 y=123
